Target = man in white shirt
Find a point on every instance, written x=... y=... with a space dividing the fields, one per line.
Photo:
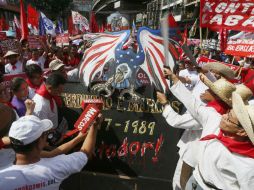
x=47 y=98
x=37 y=59
x=189 y=76
x=28 y=137
x=226 y=152
x=58 y=66
x=13 y=66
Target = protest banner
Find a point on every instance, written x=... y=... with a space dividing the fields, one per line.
x=228 y=14
x=88 y=116
x=10 y=44
x=3 y=36
x=240 y=47
x=62 y=40
x=34 y=42
x=80 y=20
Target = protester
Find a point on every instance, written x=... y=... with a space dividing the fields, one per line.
x=47 y=98
x=13 y=66
x=34 y=78
x=214 y=168
x=39 y=56
x=19 y=88
x=59 y=67
x=28 y=138
x=189 y=75
x=36 y=59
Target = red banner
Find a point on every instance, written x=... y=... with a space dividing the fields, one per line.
x=228 y=14
x=242 y=48
x=62 y=40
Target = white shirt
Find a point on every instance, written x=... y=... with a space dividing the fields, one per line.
x=72 y=75
x=192 y=130
x=40 y=62
x=43 y=111
x=216 y=163
x=10 y=70
x=31 y=92
x=47 y=174
x=192 y=75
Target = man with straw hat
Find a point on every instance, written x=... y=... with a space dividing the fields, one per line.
x=218 y=97
x=13 y=66
x=192 y=128
x=225 y=158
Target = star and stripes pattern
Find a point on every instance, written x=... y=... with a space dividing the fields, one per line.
x=151 y=43
x=102 y=51
x=109 y=46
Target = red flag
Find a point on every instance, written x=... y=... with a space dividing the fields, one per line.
x=32 y=16
x=185 y=35
x=93 y=24
x=102 y=28
x=23 y=20
x=3 y=24
x=70 y=25
x=17 y=27
x=171 y=21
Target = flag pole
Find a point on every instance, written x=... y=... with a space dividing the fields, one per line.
x=201 y=38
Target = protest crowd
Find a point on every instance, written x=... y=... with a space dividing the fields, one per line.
x=216 y=149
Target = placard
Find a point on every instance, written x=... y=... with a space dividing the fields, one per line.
x=240 y=47
x=62 y=40
x=34 y=42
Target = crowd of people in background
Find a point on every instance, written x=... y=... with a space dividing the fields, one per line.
x=216 y=149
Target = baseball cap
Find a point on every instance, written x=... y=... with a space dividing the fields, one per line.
x=55 y=65
x=29 y=128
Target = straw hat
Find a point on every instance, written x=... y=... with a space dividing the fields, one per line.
x=244 y=92
x=221 y=69
x=55 y=65
x=221 y=88
x=244 y=114
x=10 y=53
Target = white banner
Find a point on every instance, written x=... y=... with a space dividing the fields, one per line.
x=77 y=18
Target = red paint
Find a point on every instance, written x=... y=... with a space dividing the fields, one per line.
x=128 y=150
x=123 y=150
x=157 y=148
x=148 y=145
x=134 y=148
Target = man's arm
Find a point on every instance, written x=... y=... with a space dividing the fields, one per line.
x=64 y=148
x=89 y=143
